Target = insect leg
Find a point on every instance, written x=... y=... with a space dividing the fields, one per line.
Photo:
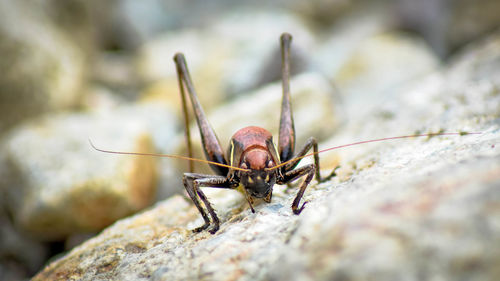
x=250 y=200
x=286 y=140
x=289 y=176
x=211 y=145
x=311 y=142
x=188 y=179
x=193 y=182
x=186 y=121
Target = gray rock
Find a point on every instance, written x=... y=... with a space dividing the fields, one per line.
x=57 y=185
x=418 y=209
x=326 y=12
x=449 y=25
x=21 y=256
x=369 y=64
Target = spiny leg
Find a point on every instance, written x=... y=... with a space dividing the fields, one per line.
x=192 y=183
x=187 y=179
x=215 y=182
x=289 y=176
x=249 y=200
x=211 y=145
x=311 y=142
x=186 y=119
x=286 y=140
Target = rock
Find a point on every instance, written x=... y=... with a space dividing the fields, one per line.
x=423 y=208
x=21 y=256
x=394 y=234
x=377 y=67
x=136 y=22
x=324 y=12
x=469 y=83
x=404 y=229
x=116 y=71
x=58 y=185
x=449 y=25
x=42 y=68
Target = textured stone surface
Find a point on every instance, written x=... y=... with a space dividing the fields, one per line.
x=414 y=209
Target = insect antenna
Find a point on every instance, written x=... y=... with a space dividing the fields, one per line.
x=166 y=156
x=369 y=141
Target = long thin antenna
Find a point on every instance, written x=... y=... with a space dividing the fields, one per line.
x=168 y=156
x=369 y=141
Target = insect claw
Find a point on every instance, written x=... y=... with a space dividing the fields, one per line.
x=295 y=211
x=331 y=175
x=214 y=229
x=201 y=228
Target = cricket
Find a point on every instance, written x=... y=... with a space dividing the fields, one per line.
x=253 y=163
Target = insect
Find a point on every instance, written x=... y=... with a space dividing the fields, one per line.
x=253 y=164
x=253 y=160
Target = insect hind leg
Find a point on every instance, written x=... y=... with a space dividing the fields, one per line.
x=310 y=143
x=211 y=145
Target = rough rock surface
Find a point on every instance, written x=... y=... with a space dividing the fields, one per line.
x=52 y=193
x=419 y=209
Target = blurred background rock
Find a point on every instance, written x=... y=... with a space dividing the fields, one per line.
x=73 y=70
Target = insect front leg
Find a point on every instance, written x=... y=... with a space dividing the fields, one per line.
x=192 y=183
x=311 y=142
x=292 y=175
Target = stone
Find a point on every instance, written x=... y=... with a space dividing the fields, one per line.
x=21 y=255
x=376 y=67
x=58 y=185
x=43 y=69
x=412 y=209
x=449 y=25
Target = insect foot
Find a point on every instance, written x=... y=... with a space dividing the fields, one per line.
x=201 y=228
x=298 y=211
